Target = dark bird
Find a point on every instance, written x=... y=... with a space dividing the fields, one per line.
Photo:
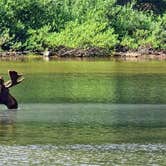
x=5 y=96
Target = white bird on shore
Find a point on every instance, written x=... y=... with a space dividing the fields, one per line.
x=46 y=53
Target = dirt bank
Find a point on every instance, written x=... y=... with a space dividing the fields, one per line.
x=64 y=52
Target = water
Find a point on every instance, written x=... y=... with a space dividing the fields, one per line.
x=93 y=88
x=113 y=154
x=86 y=113
x=63 y=124
x=83 y=134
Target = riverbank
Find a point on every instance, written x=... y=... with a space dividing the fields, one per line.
x=95 y=52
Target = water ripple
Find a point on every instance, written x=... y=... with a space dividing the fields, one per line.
x=108 y=154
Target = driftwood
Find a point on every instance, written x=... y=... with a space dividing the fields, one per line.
x=5 y=96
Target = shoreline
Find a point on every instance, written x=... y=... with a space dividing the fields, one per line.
x=91 y=53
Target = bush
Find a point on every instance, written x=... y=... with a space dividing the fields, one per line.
x=36 y=24
x=36 y=39
x=85 y=35
x=135 y=28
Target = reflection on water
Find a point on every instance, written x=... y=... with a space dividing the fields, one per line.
x=93 y=88
x=7 y=117
x=82 y=123
x=67 y=118
x=83 y=134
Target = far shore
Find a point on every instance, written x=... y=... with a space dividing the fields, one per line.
x=79 y=54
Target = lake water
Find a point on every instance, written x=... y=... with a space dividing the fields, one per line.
x=85 y=113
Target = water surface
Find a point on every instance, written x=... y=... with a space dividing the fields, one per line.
x=85 y=113
x=93 y=88
x=83 y=134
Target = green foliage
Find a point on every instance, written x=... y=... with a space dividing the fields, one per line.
x=36 y=24
x=87 y=34
x=160 y=32
x=136 y=28
x=157 y=7
x=4 y=38
x=36 y=39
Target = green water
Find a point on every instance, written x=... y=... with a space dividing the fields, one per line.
x=100 y=88
x=85 y=113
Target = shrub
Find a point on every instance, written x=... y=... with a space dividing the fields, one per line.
x=36 y=39
x=136 y=28
x=87 y=34
x=37 y=24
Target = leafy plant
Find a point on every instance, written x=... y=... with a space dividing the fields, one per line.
x=34 y=25
x=87 y=34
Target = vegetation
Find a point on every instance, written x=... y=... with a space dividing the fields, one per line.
x=109 y=24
